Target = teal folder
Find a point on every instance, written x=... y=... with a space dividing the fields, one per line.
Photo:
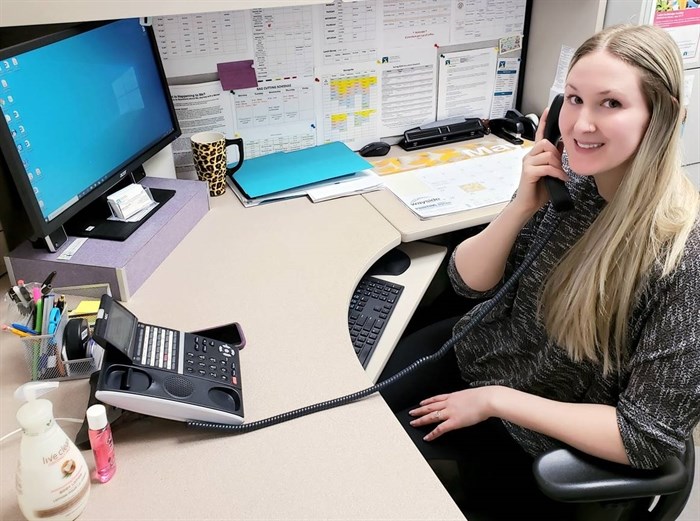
x=265 y=175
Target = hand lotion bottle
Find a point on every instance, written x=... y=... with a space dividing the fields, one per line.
x=53 y=481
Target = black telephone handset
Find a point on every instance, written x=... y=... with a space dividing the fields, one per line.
x=558 y=193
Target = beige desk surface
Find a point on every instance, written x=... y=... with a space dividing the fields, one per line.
x=286 y=273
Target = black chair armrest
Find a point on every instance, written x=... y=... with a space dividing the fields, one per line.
x=571 y=476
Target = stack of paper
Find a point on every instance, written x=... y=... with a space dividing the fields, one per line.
x=322 y=172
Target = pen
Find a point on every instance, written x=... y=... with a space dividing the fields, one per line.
x=15 y=331
x=46 y=285
x=24 y=329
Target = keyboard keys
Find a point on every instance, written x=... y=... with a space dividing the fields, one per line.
x=369 y=310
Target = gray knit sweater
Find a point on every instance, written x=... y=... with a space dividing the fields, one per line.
x=657 y=393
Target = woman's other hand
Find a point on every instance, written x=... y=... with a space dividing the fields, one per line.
x=454 y=410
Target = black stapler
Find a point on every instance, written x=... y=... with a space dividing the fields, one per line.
x=529 y=125
x=508 y=129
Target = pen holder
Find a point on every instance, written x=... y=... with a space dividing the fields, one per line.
x=46 y=354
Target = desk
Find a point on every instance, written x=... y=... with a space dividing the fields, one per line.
x=286 y=272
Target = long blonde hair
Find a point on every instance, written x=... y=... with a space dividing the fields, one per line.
x=588 y=298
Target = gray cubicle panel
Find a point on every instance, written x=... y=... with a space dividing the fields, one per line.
x=425 y=38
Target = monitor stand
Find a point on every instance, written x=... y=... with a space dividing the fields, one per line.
x=93 y=221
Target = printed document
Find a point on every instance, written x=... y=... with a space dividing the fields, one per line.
x=504 y=88
x=348 y=105
x=412 y=22
x=200 y=107
x=484 y=21
x=487 y=175
x=194 y=43
x=466 y=83
x=409 y=90
x=350 y=32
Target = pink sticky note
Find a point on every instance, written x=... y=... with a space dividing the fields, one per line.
x=237 y=75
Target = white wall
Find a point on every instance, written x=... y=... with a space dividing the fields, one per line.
x=554 y=23
x=693 y=172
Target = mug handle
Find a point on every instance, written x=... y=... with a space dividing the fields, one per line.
x=239 y=144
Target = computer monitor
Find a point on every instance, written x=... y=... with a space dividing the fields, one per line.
x=82 y=109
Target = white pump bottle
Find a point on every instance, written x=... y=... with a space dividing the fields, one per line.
x=53 y=481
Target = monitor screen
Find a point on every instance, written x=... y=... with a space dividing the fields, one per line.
x=81 y=108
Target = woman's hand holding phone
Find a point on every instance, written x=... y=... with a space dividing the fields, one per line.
x=544 y=159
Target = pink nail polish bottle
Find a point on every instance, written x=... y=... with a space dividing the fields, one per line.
x=100 y=434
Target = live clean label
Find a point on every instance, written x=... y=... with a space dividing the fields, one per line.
x=52 y=479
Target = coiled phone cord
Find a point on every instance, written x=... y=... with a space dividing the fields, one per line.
x=537 y=247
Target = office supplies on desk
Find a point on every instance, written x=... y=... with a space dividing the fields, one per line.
x=164 y=372
x=443 y=132
x=39 y=315
x=507 y=129
x=85 y=307
x=23 y=328
x=280 y=171
x=60 y=352
x=54 y=319
x=358 y=183
x=15 y=331
x=46 y=285
x=374 y=149
x=47 y=309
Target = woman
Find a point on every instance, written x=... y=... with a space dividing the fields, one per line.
x=598 y=345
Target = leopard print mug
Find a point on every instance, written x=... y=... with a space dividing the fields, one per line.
x=209 y=154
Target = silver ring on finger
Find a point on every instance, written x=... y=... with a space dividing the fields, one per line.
x=437 y=415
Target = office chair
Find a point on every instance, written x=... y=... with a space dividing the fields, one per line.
x=609 y=491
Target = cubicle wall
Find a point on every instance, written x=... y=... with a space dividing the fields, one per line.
x=292 y=77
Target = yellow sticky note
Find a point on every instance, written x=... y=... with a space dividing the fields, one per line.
x=86 y=307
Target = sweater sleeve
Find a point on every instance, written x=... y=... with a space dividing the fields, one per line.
x=515 y=257
x=660 y=404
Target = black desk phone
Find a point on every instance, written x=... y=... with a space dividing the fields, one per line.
x=167 y=373
x=561 y=200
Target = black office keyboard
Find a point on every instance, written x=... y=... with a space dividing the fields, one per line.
x=370 y=309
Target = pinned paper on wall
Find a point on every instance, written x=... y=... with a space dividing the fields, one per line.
x=237 y=75
x=682 y=22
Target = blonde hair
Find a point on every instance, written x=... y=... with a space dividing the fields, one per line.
x=588 y=298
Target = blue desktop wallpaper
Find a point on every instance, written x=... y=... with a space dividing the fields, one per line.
x=80 y=108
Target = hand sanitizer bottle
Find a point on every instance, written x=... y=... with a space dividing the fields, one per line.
x=100 y=434
x=53 y=481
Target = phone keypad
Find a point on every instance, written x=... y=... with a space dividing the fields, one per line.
x=211 y=359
